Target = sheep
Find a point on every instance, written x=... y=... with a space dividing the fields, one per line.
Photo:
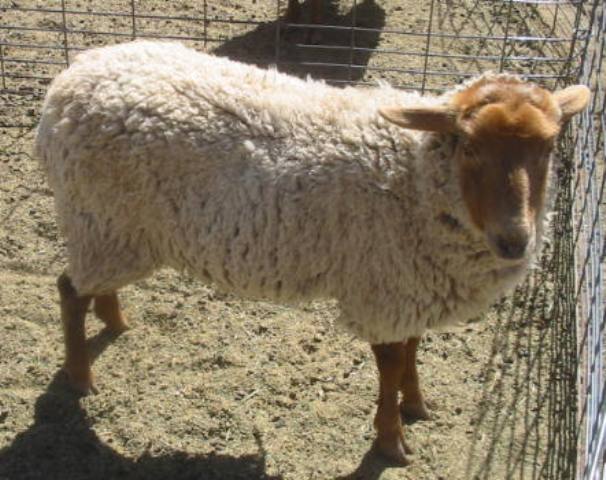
x=414 y=213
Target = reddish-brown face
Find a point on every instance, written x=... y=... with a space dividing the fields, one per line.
x=506 y=131
x=509 y=130
x=503 y=181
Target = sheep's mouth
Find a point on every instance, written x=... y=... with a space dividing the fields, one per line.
x=510 y=259
x=512 y=245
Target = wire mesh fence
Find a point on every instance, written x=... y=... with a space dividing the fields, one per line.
x=426 y=46
x=442 y=42
x=588 y=190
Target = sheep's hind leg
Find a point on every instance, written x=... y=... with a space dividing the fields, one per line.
x=412 y=406
x=107 y=309
x=73 y=313
x=390 y=435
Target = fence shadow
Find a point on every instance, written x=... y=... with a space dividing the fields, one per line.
x=329 y=57
x=61 y=444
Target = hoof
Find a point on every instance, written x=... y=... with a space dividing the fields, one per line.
x=394 y=449
x=81 y=382
x=119 y=327
x=414 y=411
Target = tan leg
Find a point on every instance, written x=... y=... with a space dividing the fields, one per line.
x=73 y=313
x=412 y=406
x=390 y=435
x=107 y=309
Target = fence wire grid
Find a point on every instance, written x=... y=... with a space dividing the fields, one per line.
x=588 y=191
x=552 y=42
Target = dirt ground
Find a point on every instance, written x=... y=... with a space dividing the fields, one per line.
x=208 y=386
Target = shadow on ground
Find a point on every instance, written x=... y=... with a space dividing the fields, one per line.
x=328 y=56
x=61 y=444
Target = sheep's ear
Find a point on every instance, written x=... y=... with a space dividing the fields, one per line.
x=432 y=119
x=572 y=100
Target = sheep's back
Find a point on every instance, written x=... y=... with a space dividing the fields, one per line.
x=160 y=104
x=218 y=160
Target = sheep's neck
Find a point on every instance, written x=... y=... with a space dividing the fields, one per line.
x=441 y=204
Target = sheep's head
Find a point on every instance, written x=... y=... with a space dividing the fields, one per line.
x=506 y=129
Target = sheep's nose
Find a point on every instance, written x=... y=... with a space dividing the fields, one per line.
x=511 y=247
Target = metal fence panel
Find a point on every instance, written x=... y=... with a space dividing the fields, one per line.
x=589 y=155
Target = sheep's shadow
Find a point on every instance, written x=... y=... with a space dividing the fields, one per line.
x=371 y=467
x=61 y=444
x=330 y=57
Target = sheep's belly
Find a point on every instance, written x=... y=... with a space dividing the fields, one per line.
x=394 y=319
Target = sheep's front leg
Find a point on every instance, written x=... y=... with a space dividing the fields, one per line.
x=412 y=406
x=73 y=312
x=390 y=435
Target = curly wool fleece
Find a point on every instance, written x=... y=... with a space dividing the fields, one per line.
x=266 y=185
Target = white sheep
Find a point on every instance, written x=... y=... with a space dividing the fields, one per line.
x=284 y=189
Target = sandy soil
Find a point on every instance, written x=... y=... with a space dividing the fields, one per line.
x=213 y=387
